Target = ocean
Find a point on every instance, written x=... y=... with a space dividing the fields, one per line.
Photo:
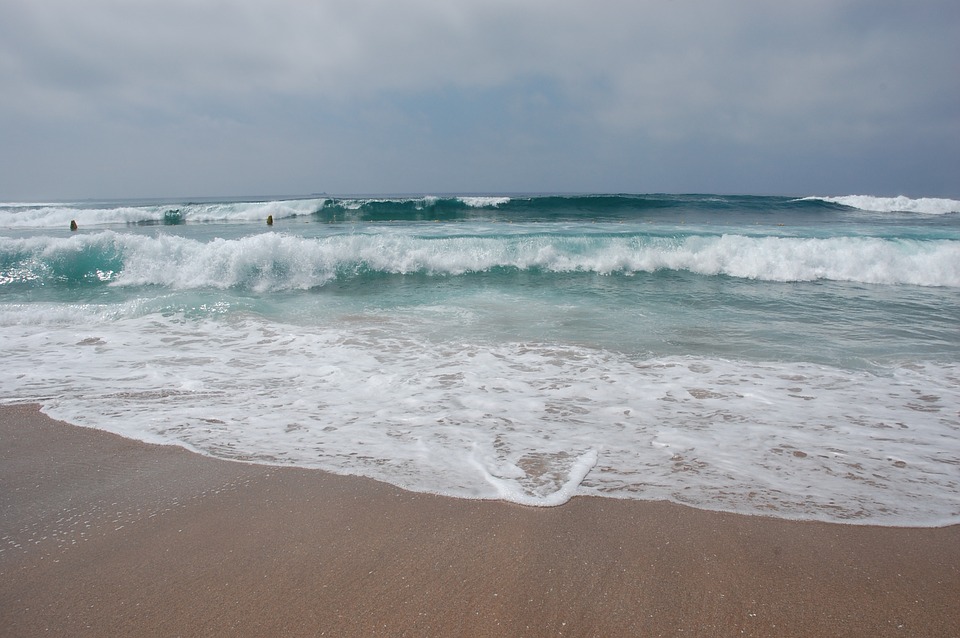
x=796 y=357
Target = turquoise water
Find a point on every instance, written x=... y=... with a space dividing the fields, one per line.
x=795 y=357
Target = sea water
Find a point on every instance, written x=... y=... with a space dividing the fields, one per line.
x=791 y=357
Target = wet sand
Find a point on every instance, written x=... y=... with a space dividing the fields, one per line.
x=103 y=536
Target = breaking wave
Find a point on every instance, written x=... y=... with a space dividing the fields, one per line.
x=923 y=205
x=277 y=261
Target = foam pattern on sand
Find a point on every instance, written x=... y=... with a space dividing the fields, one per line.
x=534 y=423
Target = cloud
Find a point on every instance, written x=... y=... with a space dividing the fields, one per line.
x=340 y=84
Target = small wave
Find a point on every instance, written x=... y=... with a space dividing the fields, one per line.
x=421 y=208
x=923 y=205
x=60 y=215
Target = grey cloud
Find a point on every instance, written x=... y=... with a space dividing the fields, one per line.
x=746 y=77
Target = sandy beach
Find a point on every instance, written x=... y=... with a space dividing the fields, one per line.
x=104 y=536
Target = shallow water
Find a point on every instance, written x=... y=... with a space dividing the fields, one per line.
x=797 y=358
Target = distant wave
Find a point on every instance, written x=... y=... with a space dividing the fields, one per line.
x=277 y=261
x=30 y=204
x=348 y=209
x=60 y=215
x=424 y=208
x=923 y=205
x=593 y=207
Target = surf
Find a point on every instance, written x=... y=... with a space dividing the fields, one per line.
x=764 y=355
x=279 y=261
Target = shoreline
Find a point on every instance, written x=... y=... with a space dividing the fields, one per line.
x=102 y=535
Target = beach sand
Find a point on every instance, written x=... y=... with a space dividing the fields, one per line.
x=103 y=536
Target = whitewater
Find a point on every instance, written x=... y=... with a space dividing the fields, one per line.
x=796 y=357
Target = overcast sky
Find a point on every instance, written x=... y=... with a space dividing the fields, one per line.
x=175 y=98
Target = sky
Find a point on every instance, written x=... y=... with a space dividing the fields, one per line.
x=179 y=98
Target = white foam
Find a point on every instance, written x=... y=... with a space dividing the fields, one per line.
x=532 y=423
x=484 y=202
x=536 y=484
x=271 y=261
x=923 y=205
